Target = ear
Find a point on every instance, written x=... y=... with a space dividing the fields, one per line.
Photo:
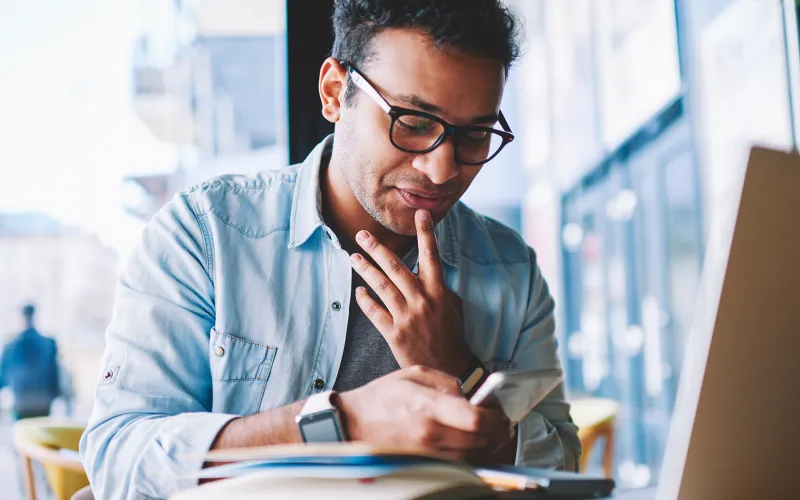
x=332 y=88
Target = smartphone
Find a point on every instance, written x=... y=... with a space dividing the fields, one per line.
x=517 y=392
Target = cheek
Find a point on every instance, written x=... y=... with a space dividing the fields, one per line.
x=468 y=174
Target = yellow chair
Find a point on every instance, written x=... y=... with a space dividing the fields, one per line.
x=42 y=440
x=595 y=419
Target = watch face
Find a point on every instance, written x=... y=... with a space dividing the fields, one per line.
x=321 y=427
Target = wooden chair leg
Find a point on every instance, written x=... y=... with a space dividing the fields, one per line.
x=608 y=453
x=588 y=445
x=30 y=482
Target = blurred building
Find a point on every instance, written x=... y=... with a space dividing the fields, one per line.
x=637 y=123
x=209 y=80
x=71 y=277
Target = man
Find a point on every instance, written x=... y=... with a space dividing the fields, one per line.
x=29 y=367
x=250 y=298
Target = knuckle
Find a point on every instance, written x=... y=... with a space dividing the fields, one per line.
x=396 y=265
x=372 y=309
x=427 y=433
x=419 y=369
x=384 y=284
x=424 y=305
x=454 y=386
x=372 y=244
x=418 y=407
x=474 y=422
x=432 y=253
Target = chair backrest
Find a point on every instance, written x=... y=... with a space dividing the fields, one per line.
x=54 y=444
x=84 y=494
x=595 y=418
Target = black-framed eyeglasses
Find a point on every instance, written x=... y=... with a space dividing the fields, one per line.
x=419 y=132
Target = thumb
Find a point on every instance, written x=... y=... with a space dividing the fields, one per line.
x=433 y=379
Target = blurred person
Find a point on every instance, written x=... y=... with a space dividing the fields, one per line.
x=29 y=367
x=355 y=281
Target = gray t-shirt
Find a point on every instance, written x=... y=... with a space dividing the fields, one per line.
x=366 y=355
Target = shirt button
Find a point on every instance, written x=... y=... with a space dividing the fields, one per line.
x=319 y=384
x=336 y=306
x=219 y=351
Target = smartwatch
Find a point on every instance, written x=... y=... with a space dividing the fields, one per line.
x=319 y=420
x=473 y=377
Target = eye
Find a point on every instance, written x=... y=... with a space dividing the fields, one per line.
x=416 y=124
x=476 y=135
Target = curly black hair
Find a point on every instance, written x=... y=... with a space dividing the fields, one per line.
x=481 y=27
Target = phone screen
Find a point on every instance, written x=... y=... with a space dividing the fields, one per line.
x=517 y=393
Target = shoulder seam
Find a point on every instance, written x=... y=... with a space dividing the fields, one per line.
x=227 y=184
x=208 y=247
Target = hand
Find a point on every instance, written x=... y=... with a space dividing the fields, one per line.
x=422 y=321
x=422 y=408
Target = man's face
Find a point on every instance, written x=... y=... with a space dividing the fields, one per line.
x=409 y=72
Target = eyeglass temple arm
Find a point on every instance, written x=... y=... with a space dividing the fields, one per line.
x=364 y=85
x=503 y=122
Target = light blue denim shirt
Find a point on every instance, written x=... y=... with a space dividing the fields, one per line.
x=236 y=300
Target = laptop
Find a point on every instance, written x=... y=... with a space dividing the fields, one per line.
x=736 y=426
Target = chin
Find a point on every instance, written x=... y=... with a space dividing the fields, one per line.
x=398 y=220
x=402 y=227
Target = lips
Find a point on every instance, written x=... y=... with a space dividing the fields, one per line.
x=424 y=200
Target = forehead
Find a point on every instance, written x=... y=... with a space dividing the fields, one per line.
x=464 y=86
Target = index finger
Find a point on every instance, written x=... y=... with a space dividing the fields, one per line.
x=392 y=265
x=430 y=263
x=458 y=413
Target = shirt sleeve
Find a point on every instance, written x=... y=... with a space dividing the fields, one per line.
x=547 y=437
x=151 y=424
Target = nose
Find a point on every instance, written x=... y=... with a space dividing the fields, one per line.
x=440 y=164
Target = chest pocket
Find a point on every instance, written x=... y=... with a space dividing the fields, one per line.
x=239 y=371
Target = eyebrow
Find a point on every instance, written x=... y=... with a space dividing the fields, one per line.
x=418 y=102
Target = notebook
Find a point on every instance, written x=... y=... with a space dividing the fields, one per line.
x=360 y=470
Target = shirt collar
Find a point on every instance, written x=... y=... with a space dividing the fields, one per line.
x=307 y=200
x=306 y=216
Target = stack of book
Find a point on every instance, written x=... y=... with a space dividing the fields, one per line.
x=356 y=471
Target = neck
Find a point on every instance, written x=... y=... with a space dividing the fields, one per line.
x=342 y=211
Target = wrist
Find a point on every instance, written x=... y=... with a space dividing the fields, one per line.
x=346 y=403
x=462 y=360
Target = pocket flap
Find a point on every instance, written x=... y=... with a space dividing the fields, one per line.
x=233 y=358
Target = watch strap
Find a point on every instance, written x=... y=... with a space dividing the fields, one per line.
x=318 y=403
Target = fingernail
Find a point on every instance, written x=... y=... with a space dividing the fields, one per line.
x=355 y=258
x=362 y=236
